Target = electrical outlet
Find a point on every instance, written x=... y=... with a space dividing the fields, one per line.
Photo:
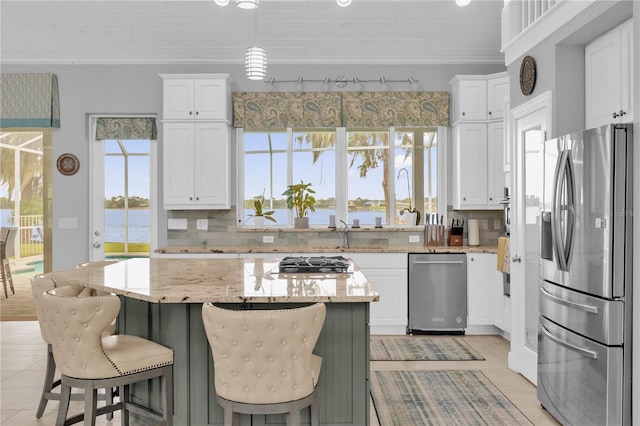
x=414 y=238
x=202 y=224
x=267 y=238
x=180 y=224
x=68 y=223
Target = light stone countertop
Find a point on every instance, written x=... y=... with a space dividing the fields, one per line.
x=327 y=249
x=199 y=280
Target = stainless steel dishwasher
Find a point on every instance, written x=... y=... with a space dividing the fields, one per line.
x=437 y=293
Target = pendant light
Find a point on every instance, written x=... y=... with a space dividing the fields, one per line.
x=247 y=4
x=255 y=58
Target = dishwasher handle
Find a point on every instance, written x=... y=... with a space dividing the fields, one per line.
x=438 y=262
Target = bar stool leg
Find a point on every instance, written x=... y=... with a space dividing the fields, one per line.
x=48 y=383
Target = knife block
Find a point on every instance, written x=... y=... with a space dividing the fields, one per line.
x=434 y=235
x=455 y=236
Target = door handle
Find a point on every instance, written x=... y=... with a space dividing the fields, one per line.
x=584 y=352
x=516 y=259
x=587 y=308
x=437 y=262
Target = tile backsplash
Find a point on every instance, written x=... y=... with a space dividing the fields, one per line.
x=222 y=231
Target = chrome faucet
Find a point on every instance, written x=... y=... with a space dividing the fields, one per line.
x=345 y=238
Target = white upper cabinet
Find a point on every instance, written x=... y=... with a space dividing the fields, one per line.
x=609 y=77
x=478 y=97
x=497 y=91
x=479 y=141
x=196 y=141
x=196 y=97
x=196 y=166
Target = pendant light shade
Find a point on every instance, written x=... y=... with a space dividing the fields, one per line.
x=255 y=63
x=247 y=4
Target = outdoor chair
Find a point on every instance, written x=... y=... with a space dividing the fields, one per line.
x=7 y=250
x=263 y=361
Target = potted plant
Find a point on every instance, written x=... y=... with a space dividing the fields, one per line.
x=259 y=215
x=300 y=198
x=411 y=213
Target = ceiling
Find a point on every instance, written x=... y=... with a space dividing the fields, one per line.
x=292 y=32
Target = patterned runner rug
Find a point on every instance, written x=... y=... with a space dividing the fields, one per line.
x=421 y=348
x=458 y=397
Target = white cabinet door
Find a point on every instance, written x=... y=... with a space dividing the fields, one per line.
x=481 y=273
x=495 y=164
x=603 y=84
x=178 y=99
x=471 y=100
x=211 y=99
x=627 y=76
x=388 y=274
x=197 y=99
x=178 y=149
x=497 y=91
x=196 y=165
x=609 y=77
x=211 y=165
x=470 y=166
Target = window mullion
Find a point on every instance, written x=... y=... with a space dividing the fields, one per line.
x=240 y=158
x=289 y=169
x=391 y=178
x=341 y=174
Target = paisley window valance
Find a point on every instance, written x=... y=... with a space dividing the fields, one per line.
x=399 y=109
x=266 y=110
x=286 y=109
x=29 y=100
x=126 y=128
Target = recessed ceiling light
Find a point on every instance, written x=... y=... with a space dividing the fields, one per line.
x=343 y=3
x=222 y=2
x=463 y=2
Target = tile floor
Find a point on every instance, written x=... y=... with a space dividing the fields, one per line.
x=22 y=365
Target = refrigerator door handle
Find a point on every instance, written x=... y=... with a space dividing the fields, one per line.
x=563 y=185
x=587 y=308
x=582 y=351
x=438 y=262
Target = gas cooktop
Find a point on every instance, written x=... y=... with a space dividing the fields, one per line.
x=322 y=264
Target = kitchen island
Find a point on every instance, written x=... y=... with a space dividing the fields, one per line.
x=162 y=301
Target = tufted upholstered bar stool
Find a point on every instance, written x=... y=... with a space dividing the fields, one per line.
x=40 y=284
x=90 y=361
x=263 y=360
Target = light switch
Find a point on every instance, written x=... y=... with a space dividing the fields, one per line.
x=179 y=224
x=202 y=224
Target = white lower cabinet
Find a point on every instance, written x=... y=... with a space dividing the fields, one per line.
x=482 y=281
x=388 y=274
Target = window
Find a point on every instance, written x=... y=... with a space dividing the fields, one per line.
x=350 y=170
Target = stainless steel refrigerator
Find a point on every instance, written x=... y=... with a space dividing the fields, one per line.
x=584 y=336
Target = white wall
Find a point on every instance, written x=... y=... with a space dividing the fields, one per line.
x=88 y=89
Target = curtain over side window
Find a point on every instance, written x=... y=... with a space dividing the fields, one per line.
x=126 y=128
x=29 y=100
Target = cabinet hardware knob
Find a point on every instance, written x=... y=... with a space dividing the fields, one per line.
x=96 y=233
x=464 y=113
x=464 y=198
x=197 y=112
x=190 y=112
x=96 y=245
x=489 y=112
x=490 y=198
x=197 y=198
x=190 y=198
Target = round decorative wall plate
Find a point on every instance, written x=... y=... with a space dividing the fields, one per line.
x=527 y=75
x=68 y=164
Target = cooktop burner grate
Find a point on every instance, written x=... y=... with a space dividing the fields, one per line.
x=314 y=264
